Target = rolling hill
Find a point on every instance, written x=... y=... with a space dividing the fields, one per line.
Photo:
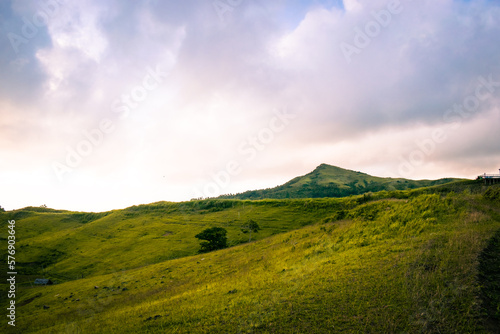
x=68 y=245
x=419 y=260
x=331 y=181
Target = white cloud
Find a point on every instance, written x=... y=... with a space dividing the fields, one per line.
x=78 y=27
x=223 y=83
x=352 y=5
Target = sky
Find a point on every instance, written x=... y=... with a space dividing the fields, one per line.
x=109 y=104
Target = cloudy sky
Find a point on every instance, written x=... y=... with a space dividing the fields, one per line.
x=107 y=104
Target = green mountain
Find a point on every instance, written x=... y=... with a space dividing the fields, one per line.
x=408 y=261
x=331 y=181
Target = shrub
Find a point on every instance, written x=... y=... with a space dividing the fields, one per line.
x=214 y=239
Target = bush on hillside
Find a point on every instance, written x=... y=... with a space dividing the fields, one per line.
x=214 y=239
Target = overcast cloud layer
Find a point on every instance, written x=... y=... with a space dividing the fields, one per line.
x=107 y=104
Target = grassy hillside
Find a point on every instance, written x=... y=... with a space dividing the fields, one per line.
x=67 y=245
x=401 y=261
x=331 y=181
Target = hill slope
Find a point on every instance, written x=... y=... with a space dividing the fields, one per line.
x=68 y=245
x=331 y=181
x=406 y=261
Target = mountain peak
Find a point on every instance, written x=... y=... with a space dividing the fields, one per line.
x=332 y=181
x=337 y=172
x=324 y=166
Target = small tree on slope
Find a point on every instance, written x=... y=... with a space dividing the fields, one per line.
x=214 y=238
x=250 y=226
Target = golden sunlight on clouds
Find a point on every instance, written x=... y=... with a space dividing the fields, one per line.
x=112 y=104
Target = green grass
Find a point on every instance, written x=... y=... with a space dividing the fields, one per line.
x=69 y=245
x=405 y=262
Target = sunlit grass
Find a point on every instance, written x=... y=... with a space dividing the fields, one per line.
x=407 y=264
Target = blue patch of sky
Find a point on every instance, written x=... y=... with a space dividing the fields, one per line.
x=21 y=74
x=20 y=30
x=295 y=11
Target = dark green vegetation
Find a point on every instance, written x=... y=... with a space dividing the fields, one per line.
x=331 y=181
x=214 y=238
x=489 y=276
x=249 y=227
x=412 y=261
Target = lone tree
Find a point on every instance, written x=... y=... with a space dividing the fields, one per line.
x=250 y=226
x=215 y=239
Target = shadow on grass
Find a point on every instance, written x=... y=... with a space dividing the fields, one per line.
x=489 y=278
